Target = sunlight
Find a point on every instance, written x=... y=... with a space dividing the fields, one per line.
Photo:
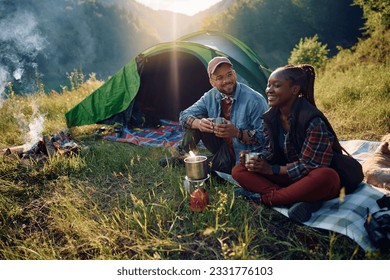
x=187 y=7
x=175 y=74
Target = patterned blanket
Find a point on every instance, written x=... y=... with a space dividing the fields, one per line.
x=345 y=217
x=168 y=134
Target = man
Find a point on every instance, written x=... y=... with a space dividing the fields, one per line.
x=240 y=108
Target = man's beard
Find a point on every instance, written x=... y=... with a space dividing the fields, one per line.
x=231 y=88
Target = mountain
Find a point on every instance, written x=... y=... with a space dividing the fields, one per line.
x=217 y=8
x=167 y=25
x=44 y=41
x=272 y=28
x=47 y=39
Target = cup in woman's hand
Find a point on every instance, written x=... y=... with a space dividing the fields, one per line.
x=251 y=155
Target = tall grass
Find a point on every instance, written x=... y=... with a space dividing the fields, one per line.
x=63 y=209
x=354 y=89
x=356 y=101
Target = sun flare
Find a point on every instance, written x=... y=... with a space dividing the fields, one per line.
x=187 y=7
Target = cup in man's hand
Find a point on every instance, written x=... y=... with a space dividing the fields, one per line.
x=219 y=120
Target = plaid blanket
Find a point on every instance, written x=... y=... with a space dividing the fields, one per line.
x=345 y=217
x=168 y=134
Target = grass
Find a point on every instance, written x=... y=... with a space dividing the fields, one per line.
x=64 y=209
x=356 y=101
x=114 y=201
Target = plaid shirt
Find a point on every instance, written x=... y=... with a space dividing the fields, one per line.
x=188 y=122
x=316 y=150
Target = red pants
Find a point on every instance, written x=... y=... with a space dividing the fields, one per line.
x=278 y=190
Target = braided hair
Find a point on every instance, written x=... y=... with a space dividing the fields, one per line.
x=302 y=75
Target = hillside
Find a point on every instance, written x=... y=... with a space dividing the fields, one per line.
x=273 y=27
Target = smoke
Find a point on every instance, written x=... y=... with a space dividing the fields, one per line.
x=41 y=41
x=3 y=83
x=34 y=134
x=20 y=44
x=51 y=35
x=30 y=127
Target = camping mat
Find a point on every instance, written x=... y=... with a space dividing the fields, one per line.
x=168 y=134
x=345 y=217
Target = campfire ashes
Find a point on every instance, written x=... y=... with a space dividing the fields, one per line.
x=61 y=143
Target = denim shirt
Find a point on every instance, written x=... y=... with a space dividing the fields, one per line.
x=246 y=113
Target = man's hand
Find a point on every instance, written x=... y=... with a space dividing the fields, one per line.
x=225 y=130
x=204 y=125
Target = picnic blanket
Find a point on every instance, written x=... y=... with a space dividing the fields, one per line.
x=345 y=217
x=168 y=134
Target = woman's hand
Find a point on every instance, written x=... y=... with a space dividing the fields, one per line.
x=242 y=156
x=259 y=165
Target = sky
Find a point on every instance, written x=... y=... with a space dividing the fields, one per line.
x=188 y=7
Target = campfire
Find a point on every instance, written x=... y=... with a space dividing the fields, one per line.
x=61 y=143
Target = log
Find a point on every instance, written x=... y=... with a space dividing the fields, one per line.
x=50 y=149
x=16 y=149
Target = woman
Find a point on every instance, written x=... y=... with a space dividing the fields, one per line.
x=294 y=166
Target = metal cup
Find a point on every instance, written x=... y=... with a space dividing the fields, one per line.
x=196 y=167
x=118 y=132
x=219 y=120
x=251 y=155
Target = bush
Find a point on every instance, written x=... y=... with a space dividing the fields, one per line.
x=309 y=51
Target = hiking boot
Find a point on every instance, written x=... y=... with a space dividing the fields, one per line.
x=176 y=160
x=171 y=161
x=248 y=195
x=301 y=212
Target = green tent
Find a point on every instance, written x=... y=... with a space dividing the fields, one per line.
x=165 y=79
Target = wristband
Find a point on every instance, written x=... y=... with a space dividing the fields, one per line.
x=275 y=169
x=239 y=137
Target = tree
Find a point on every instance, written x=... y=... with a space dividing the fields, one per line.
x=377 y=13
x=309 y=51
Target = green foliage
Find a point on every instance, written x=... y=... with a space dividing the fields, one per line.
x=39 y=83
x=273 y=27
x=309 y=51
x=10 y=90
x=76 y=78
x=377 y=14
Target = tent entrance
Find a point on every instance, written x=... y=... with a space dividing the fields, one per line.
x=170 y=82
